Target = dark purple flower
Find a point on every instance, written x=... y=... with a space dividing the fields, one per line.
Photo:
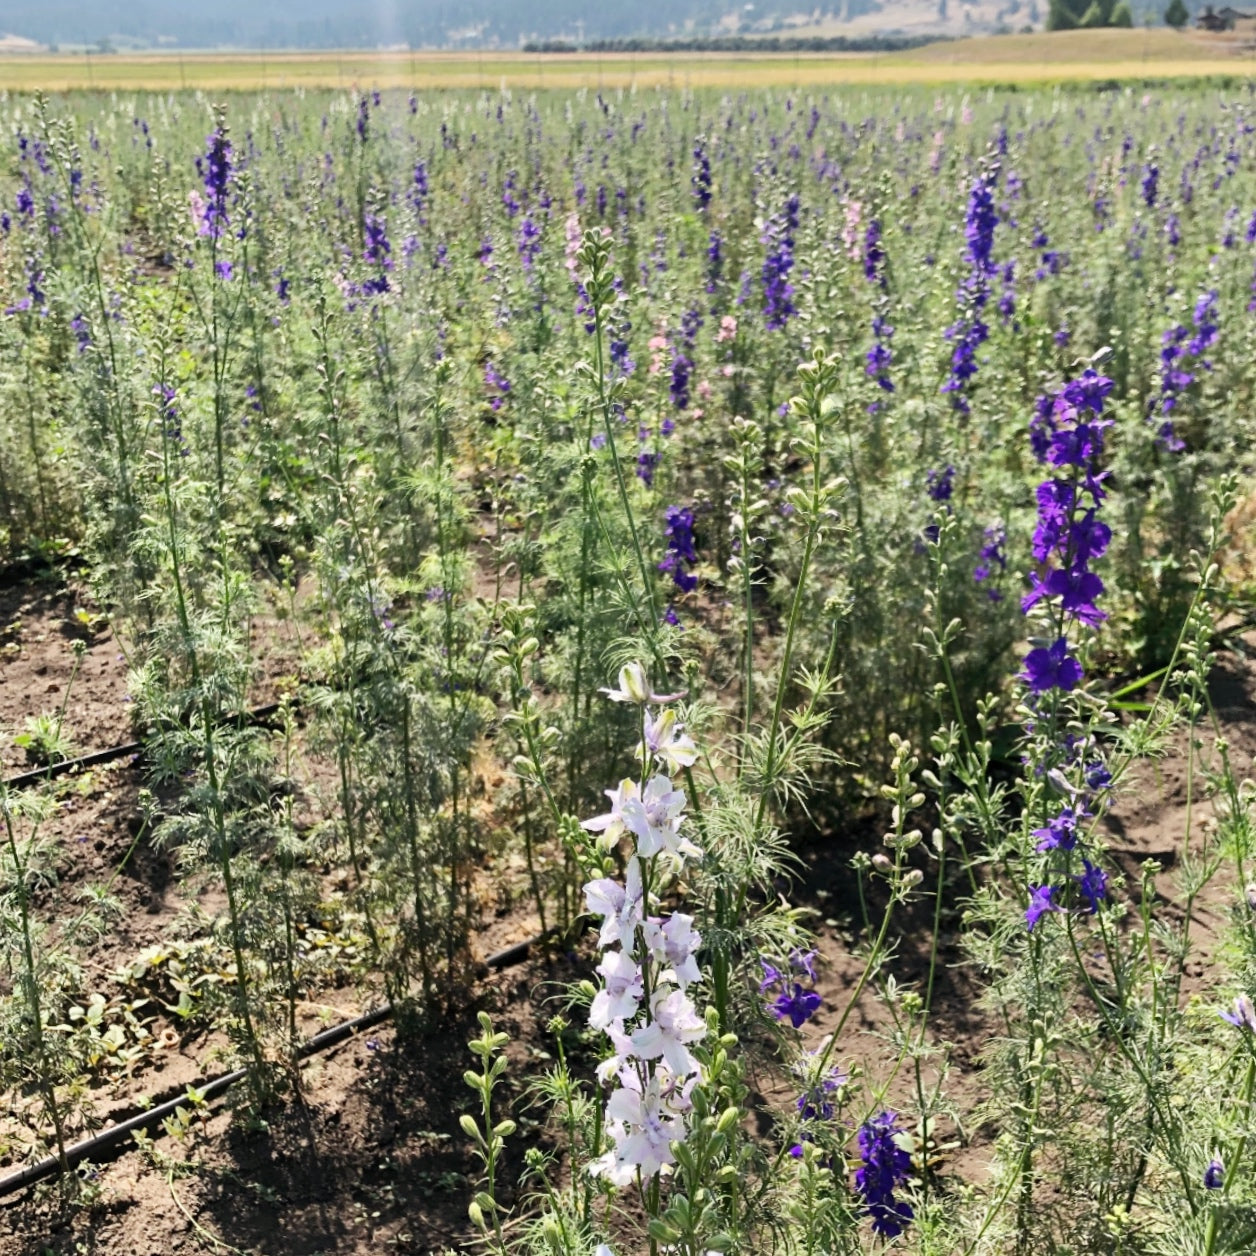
x=1041 y=901
x=800 y=1006
x=886 y=1166
x=1214 y=1175
x=1052 y=667
x=1093 y=883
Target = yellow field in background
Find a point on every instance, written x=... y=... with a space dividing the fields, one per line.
x=1039 y=58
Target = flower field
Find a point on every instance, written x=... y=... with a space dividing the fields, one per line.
x=628 y=671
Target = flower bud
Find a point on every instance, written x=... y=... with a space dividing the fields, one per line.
x=883 y=864
x=912 y=878
x=633 y=682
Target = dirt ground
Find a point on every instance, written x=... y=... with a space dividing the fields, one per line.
x=368 y=1157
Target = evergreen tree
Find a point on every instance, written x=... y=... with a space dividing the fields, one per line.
x=1177 y=14
x=1059 y=16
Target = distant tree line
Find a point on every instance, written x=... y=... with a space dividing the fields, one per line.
x=739 y=43
x=1062 y=16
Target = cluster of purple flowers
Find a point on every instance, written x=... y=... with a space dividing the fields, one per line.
x=497 y=384
x=970 y=331
x=885 y=1167
x=528 y=243
x=792 y=1000
x=715 y=260
x=215 y=169
x=880 y=355
x=378 y=251
x=1061 y=835
x=778 y=292
x=1183 y=346
x=680 y=555
x=992 y=555
x=701 y=178
x=1066 y=432
x=873 y=253
x=1150 y=184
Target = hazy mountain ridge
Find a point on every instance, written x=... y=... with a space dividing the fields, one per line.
x=485 y=23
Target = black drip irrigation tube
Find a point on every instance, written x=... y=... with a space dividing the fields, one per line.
x=110 y=1139
x=37 y=776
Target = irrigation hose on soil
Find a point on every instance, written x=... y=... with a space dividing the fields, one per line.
x=111 y=1138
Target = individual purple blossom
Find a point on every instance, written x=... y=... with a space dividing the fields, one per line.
x=880 y=355
x=1214 y=1175
x=1243 y=1014
x=885 y=1167
x=679 y=387
x=1093 y=883
x=799 y=1005
x=1041 y=901
x=1052 y=667
x=647 y=462
x=1060 y=833
x=873 y=253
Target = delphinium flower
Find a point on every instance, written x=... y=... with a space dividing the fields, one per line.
x=497 y=384
x=680 y=555
x=528 y=242
x=992 y=555
x=1214 y=1175
x=378 y=252
x=700 y=181
x=644 y=1004
x=821 y=1094
x=715 y=261
x=885 y=1168
x=1150 y=184
x=216 y=170
x=1067 y=435
x=873 y=253
x=880 y=355
x=792 y=1000
x=778 y=292
x=1242 y=1015
x=970 y=330
x=1183 y=347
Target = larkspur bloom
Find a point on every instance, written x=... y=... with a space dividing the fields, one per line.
x=216 y=170
x=1242 y=1015
x=798 y=1004
x=886 y=1167
x=622 y=991
x=1093 y=883
x=620 y=906
x=654 y=820
x=1214 y=1175
x=1041 y=901
x=664 y=739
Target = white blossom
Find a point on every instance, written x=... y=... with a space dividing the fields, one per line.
x=620 y=997
x=654 y=820
x=620 y=906
x=663 y=738
x=673 y=1024
x=672 y=943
